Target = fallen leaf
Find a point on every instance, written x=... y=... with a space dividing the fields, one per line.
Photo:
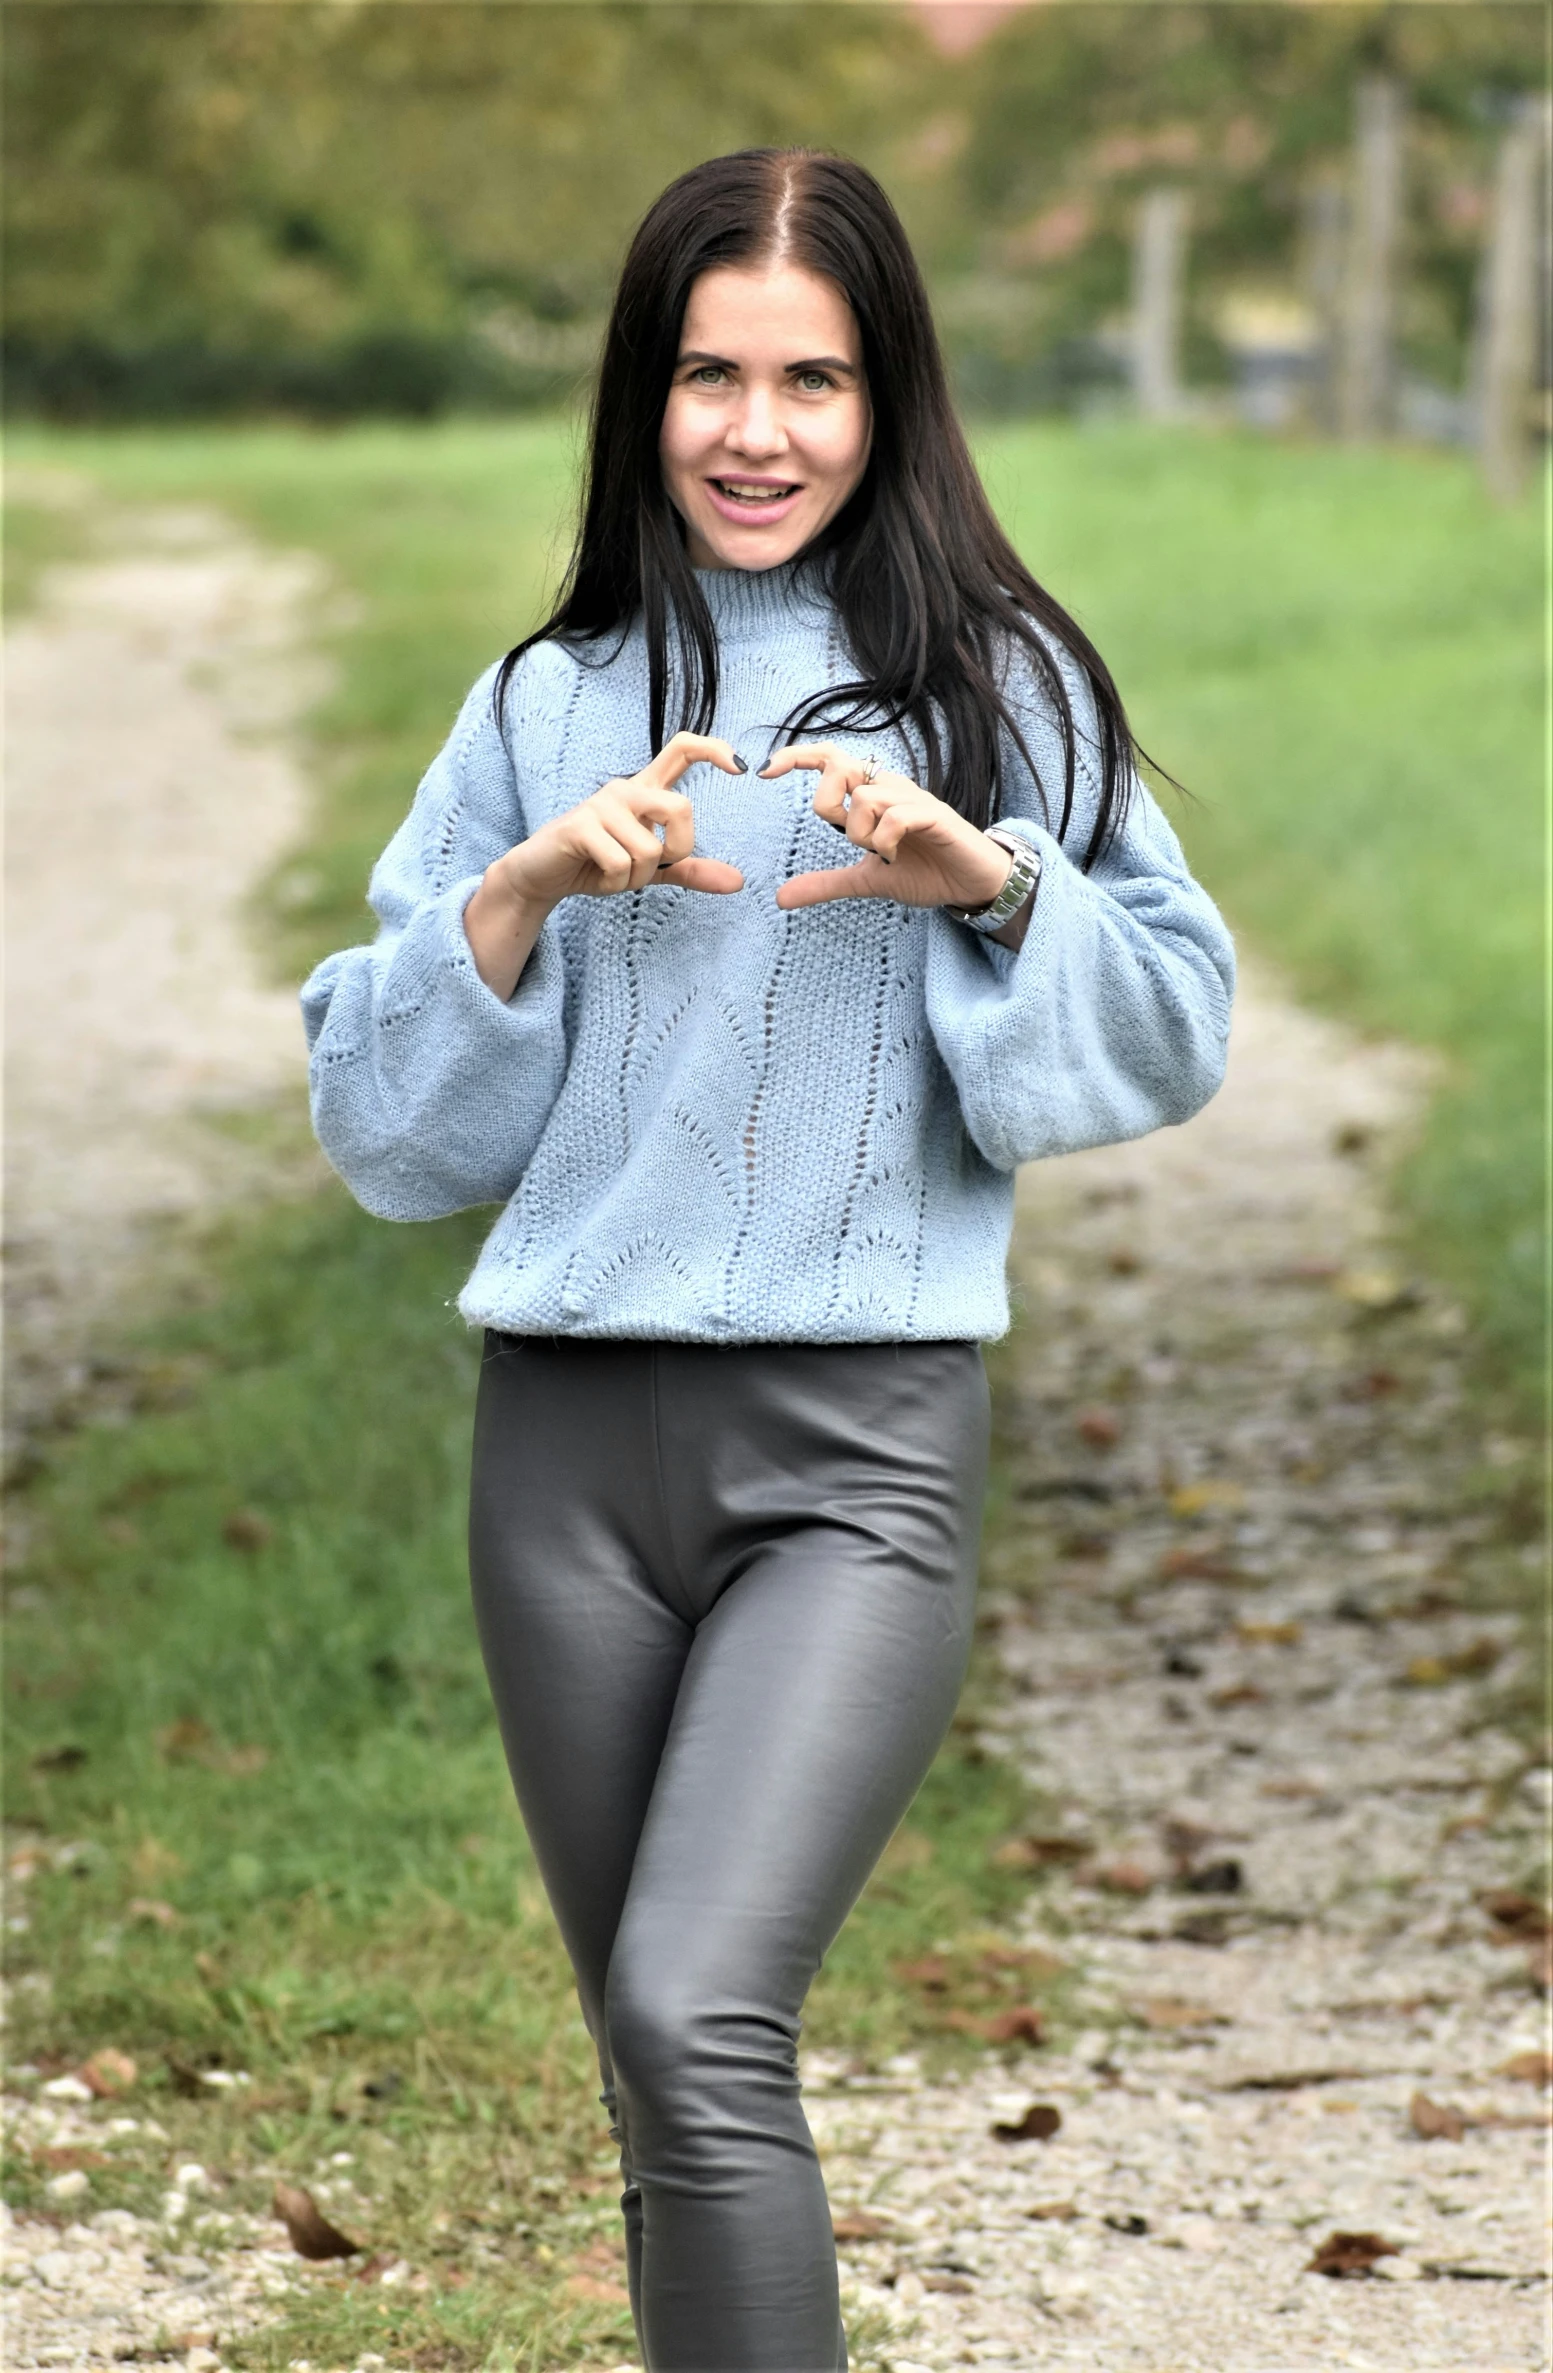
x=312 y=2235
x=247 y=1530
x=66 y=1758
x=1125 y=1878
x=151 y=1909
x=1040 y=2122
x=1039 y=1853
x=109 y=2073
x=595 y=2287
x=1528 y=2068
x=1198 y=1565
x=1194 y=1499
x=1270 y=1635
x=1239 y=1693
x=1224 y=1877
x=181 y=1742
x=1520 y=1916
x=1351 y=2253
x=1294 y=1790
x=1056 y=2212
x=64 y=2157
x=931 y=1972
x=944 y=2282
x=1023 y=2024
x=1435 y=2121
x=1100 y=1427
x=1028 y=1960
x=856 y=2224
x=1165 y=2011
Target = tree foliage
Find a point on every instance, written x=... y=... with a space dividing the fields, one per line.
x=346 y=205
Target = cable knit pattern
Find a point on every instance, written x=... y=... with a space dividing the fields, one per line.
x=708 y=1120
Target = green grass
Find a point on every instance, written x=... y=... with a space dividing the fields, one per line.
x=1341 y=652
x=242 y=1670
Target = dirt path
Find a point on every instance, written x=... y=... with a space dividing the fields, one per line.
x=1253 y=1687
x=150 y=786
x=1246 y=1670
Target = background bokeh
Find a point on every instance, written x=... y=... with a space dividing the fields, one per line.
x=337 y=273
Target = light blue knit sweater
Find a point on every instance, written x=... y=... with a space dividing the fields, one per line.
x=712 y=1121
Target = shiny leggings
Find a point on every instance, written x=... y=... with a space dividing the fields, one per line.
x=725 y=1596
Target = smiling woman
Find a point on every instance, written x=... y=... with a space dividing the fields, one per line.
x=751 y=1069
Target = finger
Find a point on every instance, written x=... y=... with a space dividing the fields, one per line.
x=807 y=755
x=691 y=749
x=870 y=879
x=702 y=873
x=831 y=795
x=679 y=831
x=600 y=849
x=638 y=839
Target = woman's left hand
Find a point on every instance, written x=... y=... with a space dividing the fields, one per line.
x=921 y=851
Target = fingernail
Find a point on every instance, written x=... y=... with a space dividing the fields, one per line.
x=740 y=765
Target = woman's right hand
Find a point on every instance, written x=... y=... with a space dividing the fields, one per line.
x=603 y=846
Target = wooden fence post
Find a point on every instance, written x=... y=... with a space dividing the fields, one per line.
x=1366 y=391
x=1158 y=281
x=1511 y=305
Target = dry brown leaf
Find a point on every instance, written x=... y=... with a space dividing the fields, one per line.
x=1022 y=2024
x=1101 y=1428
x=1165 y=2011
x=247 y=1530
x=1528 y=2068
x=1240 y=1693
x=1028 y=1960
x=109 y=2073
x=1351 y=2253
x=65 y=2157
x=1521 y=1917
x=930 y=1971
x=858 y=2224
x=1270 y=1635
x=1039 y=1853
x=1202 y=1564
x=1436 y=2121
x=944 y=2282
x=1057 y=2212
x=598 y=2289
x=312 y=2235
x=1040 y=2122
x=151 y=1909
x=1125 y=1878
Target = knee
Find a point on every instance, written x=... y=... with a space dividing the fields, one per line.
x=678 y=2045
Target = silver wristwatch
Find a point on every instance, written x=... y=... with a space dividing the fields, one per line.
x=1016 y=891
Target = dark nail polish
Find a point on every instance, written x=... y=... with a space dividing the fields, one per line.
x=741 y=765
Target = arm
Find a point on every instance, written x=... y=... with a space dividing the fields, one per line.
x=1111 y=1018
x=429 y=1090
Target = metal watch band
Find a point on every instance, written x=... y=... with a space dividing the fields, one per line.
x=1020 y=886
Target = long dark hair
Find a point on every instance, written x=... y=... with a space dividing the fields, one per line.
x=935 y=602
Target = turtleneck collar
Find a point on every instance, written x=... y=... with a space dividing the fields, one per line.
x=748 y=603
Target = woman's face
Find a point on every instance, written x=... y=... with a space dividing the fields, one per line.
x=767 y=426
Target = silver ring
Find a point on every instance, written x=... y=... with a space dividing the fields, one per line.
x=870 y=768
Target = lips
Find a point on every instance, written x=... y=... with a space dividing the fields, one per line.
x=752 y=499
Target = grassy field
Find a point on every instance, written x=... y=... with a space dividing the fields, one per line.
x=242 y=1674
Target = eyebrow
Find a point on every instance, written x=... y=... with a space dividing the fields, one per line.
x=813 y=362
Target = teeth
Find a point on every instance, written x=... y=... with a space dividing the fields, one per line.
x=753 y=494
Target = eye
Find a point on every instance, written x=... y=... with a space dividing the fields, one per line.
x=815 y=382
x=707 y=375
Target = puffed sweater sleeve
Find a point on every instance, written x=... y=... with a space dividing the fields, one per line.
x=429 y=1092
x=1112 y=1018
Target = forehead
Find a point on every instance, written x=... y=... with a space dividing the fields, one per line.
x=784 y=313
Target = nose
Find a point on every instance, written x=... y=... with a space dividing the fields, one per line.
x=755 y=431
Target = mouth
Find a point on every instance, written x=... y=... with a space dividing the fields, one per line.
x=749 y=498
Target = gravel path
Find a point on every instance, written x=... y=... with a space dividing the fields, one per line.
x=1249 y=1629
x=150 y=785
x=1249 y=1676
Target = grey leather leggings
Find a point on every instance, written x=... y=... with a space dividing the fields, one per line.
x=725 y=1596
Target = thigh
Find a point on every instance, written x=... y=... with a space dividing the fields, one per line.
x=819 y=1688
x=584 y=1657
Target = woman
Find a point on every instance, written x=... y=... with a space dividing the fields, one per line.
x=752 y=1099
